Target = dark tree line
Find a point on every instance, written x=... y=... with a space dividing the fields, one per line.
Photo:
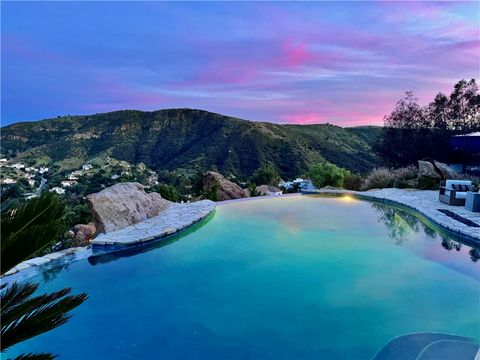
x=412 y=132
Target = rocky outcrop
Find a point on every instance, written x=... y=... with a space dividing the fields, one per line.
x=84 y=233
x=222 y=189
x=436 y=170
x=267 y=190
x=124 y=204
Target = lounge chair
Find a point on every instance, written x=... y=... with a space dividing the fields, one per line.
x=454 y=192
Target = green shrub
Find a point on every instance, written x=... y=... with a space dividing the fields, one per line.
x=266 y=176
x=327 y=174
x=168 y=192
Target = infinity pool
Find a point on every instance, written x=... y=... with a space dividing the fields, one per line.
x=298 y=277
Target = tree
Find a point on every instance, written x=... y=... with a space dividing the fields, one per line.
x=28 y=228
x=266 y=175
x=327 y=174
x=168 y=192
x=413 y=132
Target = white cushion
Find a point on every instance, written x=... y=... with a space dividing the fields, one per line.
x=449 y=183
x=460 y=195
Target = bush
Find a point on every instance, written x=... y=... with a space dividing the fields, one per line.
x=401 y=178
x=266 y=176
x=379 y=178
x=327 y=174
x=352 y=182
x=168 y=192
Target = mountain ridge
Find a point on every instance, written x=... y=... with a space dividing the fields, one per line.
x=188 y=139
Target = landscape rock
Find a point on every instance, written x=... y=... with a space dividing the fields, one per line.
x=436 y=170
x=84 y=233
x=124 y=204
x=224 y=189
x=267 y=190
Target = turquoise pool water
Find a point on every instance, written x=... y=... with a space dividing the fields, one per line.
x=285 y=278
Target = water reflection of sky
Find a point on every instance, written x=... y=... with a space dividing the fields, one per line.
x=402 y=227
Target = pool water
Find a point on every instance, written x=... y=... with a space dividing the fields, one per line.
x=298 y=277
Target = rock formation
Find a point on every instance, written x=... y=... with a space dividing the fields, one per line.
x=436 y=170
x=124 y=204
x=84 y=233
x=223 y=189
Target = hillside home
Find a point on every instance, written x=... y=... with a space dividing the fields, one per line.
x=67 y=183
x=58 y=190
x=18 y=166
x=8 y=181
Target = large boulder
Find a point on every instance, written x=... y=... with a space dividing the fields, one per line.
x=124 y=204
x=223 y=188
x=436 y=170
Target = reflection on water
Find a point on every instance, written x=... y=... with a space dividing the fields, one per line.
x=401 y=225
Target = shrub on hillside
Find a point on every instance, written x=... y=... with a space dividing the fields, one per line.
x=327 y=174
x=266 y=175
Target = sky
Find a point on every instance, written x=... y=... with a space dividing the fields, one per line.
x=345 y=63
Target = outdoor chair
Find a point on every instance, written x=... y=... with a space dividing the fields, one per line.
x=454 y=192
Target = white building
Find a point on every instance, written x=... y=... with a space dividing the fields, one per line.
x=58 y=190
x=43 y=170
x=31 y=182
x=67 y=183
x=3 y=161
x=8 y=181
x=18 y=166
x=87 y=167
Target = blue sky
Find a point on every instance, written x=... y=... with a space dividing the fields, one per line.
x=345 y=63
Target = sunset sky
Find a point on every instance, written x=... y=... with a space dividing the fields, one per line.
x=346 y=63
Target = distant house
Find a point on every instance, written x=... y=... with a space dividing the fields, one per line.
x=18 y=166
x=31 y=182
x=58 y=190
x=43 y=170
x=465 y=153
x=268 y=190
x=30 y=169
x=67 y=183
x=301 y=184
x=87 y=167
x=8 y=181
x=3 y=161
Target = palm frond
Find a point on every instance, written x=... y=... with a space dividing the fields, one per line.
x=29 y=226
x=36 y=356
x=26 y=317
x=15 y=295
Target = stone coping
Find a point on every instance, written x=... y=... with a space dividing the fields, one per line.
x=173 y=219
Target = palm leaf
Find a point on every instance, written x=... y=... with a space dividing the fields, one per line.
x=25 y=317
x=30 y=226
x=36 y=356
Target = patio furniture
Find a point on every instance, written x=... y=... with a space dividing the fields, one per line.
x=472 y=202
x=454 y=192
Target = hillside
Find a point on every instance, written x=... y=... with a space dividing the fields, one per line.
x=186 y=139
